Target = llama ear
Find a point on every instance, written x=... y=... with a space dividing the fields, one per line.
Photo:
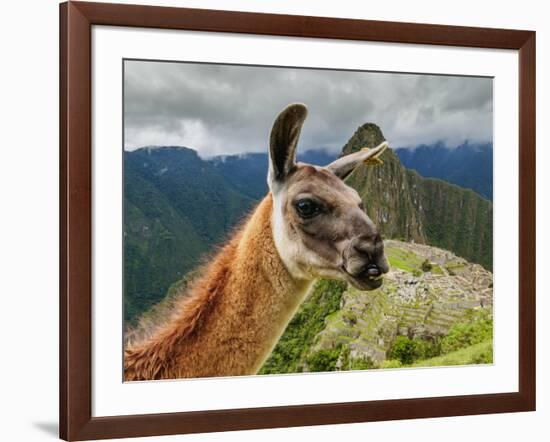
x=283 y=141
x=343 y=166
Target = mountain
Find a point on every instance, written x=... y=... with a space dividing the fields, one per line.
x=410 y=207
x=248 y=172
x=468 y=165
x=176 y=206
x=318 y=157
x=435 y=307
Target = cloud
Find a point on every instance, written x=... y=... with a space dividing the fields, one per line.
x=222 y=109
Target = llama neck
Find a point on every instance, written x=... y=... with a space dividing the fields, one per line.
x=235 y=313
x=262 y=296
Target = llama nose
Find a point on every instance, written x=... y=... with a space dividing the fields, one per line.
x=371 y=245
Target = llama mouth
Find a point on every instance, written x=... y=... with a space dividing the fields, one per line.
x=363 y=281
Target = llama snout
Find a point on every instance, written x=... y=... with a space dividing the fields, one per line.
x=365 y=262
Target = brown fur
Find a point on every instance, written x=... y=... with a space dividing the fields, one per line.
x=233 y=316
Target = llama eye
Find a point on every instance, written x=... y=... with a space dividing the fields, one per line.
x=307 y=208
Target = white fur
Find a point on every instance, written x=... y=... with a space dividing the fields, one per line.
x=288 y=250
x=301 y=262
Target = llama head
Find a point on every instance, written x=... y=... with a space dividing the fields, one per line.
x=319 y=224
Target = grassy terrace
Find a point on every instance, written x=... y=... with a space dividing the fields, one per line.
x=403 y=259
x=481 y=353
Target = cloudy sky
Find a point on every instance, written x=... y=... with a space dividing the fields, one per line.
x=221 y=109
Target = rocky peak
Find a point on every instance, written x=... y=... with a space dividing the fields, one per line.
x=367 y=135
x=410 y=207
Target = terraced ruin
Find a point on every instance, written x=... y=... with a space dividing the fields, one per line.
x=426 y=293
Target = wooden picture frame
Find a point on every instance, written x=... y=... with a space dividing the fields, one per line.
x=76 y=21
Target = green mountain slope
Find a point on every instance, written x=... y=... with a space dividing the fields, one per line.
x=176 y=207
x=468 y=165
x=424 y=210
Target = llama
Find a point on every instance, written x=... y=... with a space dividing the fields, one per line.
x=310 y=225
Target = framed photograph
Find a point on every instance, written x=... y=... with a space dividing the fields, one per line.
x=274 y=220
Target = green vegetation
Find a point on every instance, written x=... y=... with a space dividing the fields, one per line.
x=337 y=358
x=301 y=347
x=323 y=360
x=349 y=363
x=400 y=264
x=426 y=266
x=303 y=329
x=410 y=262
x=391 y=363
x=403 y=259
x=350 y=317
x=476 y=329
x=363 y=363
x=407 y=350
x=176 y=207
x=481 y=353
x=460 y=221
x=468 y=342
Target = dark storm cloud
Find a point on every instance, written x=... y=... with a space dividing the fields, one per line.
x=219 y=109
